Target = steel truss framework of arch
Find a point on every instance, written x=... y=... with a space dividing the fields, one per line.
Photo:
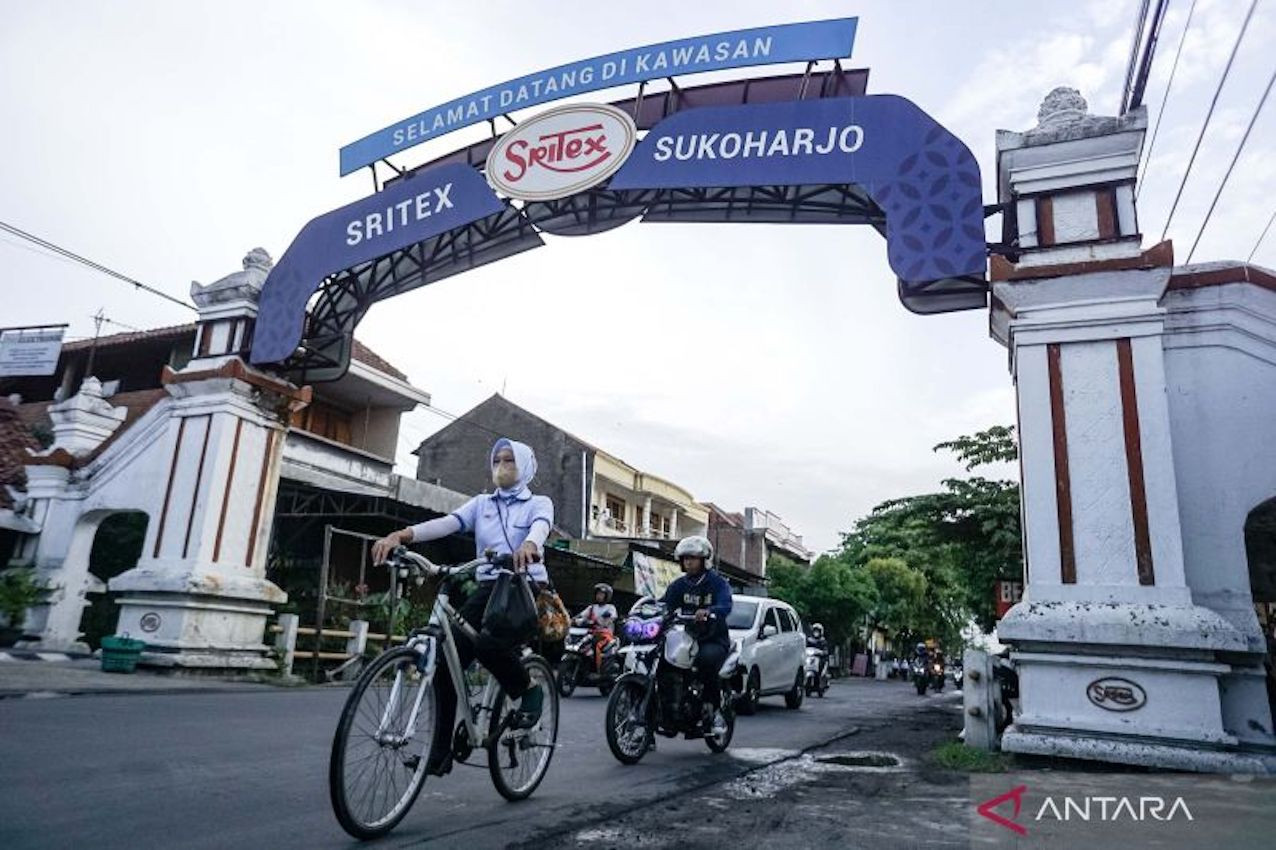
x=335 y=303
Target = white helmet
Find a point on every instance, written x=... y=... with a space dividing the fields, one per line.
x=694 y=546
x=817 y=630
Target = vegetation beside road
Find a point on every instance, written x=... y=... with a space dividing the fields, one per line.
x=919 y=566
x=955 y=755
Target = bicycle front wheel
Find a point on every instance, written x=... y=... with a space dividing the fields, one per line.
x=382 y=745
x=519 y=758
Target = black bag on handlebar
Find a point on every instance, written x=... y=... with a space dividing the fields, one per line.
x=510 y=616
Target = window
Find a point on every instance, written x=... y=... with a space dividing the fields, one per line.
x=771 y=620
x=787 y=623
x=616 y=507
x=742 y=615
x=324 y=420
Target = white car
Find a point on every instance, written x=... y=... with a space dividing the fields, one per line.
x=772 y=650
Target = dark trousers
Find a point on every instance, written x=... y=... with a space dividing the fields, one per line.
x=709 y=659
x=501 y=660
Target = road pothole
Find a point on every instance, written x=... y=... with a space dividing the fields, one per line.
x=860 y=760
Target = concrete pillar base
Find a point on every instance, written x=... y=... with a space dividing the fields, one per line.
x=1058 y=743
x=200 y=620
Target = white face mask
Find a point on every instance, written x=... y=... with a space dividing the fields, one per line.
x=504 y=475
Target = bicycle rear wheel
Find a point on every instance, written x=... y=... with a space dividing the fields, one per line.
x=519 y=758
x=378 y=761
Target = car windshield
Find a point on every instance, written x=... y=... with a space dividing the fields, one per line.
x=742 y=614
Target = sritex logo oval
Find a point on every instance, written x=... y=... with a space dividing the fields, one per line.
x=1116 y=694
x=561 y=152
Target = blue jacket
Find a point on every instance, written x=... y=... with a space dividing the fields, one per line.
x=709 y=591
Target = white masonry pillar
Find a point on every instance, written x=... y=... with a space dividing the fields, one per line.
x=199 y=596
x=1115 y=660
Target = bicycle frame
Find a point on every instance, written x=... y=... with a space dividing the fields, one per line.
x=443 y=619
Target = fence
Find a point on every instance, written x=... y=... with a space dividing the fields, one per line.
x=288 y=629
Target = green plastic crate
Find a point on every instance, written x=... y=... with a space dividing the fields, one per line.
x=120 y=654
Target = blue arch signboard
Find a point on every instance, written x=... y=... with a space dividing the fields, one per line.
x=871 y=159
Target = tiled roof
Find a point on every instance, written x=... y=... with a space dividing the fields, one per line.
x=15 y=439
x=135 y=403
x=172 y=333
x=175 y=333
x=368 y=357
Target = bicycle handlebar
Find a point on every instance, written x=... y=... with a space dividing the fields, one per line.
x=401 y=556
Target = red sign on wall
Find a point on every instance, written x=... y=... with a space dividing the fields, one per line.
x=1007 y=593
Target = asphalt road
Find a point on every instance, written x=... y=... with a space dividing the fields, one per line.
x=249 y=769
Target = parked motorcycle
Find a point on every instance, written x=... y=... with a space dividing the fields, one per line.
x=667 y=698
x=578 y=666
x=817 y=676
x=928 y=673
x=1006 y=678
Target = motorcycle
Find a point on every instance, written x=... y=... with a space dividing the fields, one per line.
x=578 y=665
x=816 y=677
x=667 y=697
x=928 y=673
x=1006 y=678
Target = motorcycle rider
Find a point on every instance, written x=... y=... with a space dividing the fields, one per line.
x=510 y=521
x=702 y=591
x=600 y=619
x=817 y=642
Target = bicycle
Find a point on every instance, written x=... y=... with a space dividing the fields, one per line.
x=386 y=732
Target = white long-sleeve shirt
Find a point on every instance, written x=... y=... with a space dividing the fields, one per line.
x=499 y=524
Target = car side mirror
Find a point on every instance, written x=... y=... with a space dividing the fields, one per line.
x=769 y=631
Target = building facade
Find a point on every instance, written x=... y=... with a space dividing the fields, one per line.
x=228 y=472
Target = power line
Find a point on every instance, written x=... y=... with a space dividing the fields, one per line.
x=44 y=243
x=1208 y=115
x=1261 y=237
x=1227 y=174
x=1145 y=60
x=1147 y=159
x=1134 y=53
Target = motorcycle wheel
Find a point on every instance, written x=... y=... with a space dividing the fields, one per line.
x=565 y=677
x=824 y=686
x=611 y=672
x=622 y=738
x=719 y=745
x=939 y=685
x=920 y=682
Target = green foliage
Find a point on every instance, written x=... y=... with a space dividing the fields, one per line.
x=830 y=592
x=18 y=591
x=901 y=594
x=955 y=755
x=962 y=539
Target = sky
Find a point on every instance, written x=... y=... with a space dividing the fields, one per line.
x=756 y=365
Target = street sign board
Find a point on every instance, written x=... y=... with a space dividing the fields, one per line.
x=801 y=42
x=30 y=351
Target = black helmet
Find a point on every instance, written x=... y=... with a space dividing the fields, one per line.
x=606 y=590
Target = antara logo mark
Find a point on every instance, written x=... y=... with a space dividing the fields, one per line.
x=566 y=151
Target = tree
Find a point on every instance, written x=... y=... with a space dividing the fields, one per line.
x=962 y=539
x=901 y=594
x=830 y=592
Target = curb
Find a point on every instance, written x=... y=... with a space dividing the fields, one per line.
x=52 y=693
